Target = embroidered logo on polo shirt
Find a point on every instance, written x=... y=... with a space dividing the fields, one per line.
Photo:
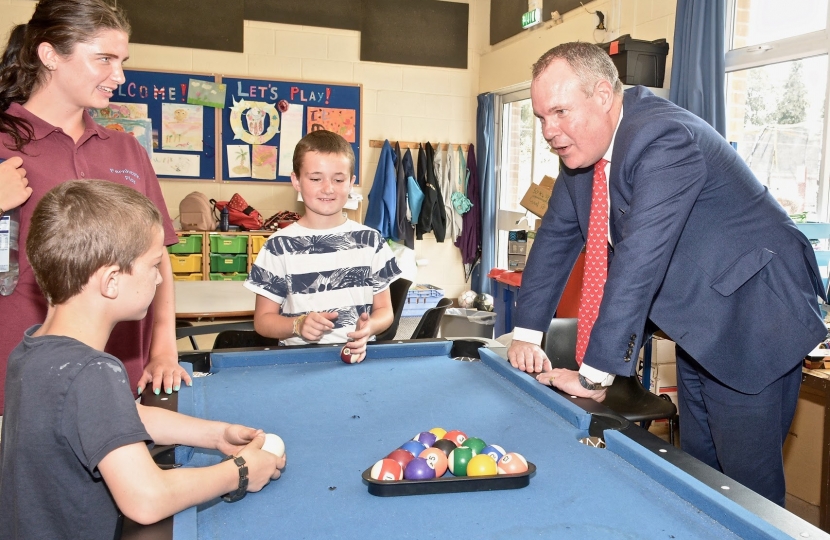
x=129 y=175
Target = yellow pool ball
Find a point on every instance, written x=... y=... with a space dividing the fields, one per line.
x=482 y=465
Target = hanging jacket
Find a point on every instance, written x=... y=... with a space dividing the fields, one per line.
x=383 y=200
x=414 y=195
x=433 y=219
x=403 y=228
x=446 y=184
x=470 y=240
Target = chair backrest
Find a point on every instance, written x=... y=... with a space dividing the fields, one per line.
x=398 y=290
x=238 y=339
x=430 y=321
x=560 y=343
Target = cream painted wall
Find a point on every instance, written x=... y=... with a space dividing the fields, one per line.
x=508 y=63
x=399 y=103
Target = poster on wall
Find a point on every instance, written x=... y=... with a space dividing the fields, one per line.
x=263 y=119
x=179 y=137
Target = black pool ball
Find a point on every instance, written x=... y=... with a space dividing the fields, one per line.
x=445 y=446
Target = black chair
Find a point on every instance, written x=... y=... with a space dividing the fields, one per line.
x=239 y=339
x=626 y=396
x=398 y=291
x=187 y=324
x=430 y=321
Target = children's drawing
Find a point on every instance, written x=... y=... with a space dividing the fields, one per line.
x=254 y=122
x=292 y=132
x=132 y=111
x=140 y=128
x=209 y=94
x=176 y=164
x=340 y=121
x=238 y=157
x=264 y=162
x=182 y=127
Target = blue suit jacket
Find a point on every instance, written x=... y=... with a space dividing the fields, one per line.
x=700 y=247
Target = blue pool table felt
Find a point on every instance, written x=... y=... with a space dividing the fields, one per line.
x=337 y=420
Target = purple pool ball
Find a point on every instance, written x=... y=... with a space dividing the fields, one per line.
x=418 y=469
x=426 y=438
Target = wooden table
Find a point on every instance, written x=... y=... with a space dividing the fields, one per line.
x=213 y=299
x=198 y=300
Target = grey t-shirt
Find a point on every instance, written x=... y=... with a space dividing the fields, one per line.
x=67 y=406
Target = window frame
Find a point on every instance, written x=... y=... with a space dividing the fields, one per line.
x=786 y=50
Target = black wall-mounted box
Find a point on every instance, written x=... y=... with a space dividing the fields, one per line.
x=639 y=61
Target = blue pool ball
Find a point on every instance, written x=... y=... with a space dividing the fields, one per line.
x=418 y=469
x=426 y=438
x=494 y=451
x=413 y=447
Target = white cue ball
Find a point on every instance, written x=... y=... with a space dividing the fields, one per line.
x=274 y=444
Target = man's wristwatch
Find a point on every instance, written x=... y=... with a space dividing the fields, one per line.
x=240 y=492
x=588 y=385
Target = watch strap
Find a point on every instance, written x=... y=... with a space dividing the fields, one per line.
x=588 y=385
x=240 y=492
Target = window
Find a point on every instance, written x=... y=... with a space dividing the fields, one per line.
x=524 y=157
x=777 y=96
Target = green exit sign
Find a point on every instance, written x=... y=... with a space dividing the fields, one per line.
x=531 y=18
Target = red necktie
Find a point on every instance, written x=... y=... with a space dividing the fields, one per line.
x=596 y=261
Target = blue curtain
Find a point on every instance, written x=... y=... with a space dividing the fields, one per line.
x=698 y=75
x=486 y=162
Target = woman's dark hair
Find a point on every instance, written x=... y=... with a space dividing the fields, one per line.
x=61 y=23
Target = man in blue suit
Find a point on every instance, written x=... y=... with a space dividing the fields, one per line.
x=696 y=244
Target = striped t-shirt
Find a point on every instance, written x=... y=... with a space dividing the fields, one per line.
x=332 y=270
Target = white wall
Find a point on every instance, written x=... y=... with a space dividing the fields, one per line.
x=508 y=63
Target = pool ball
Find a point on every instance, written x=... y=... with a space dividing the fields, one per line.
x=456 y=436
x=458 y=460
x=494 y=451
x=418 y=469
x=413 y=447
x=436 y=459
x=512 y=463
x=482 y=465
x=438 y=432
x=401 y=456
x=274 y=444
x=445 y=445
x=386 y=469
x=425 y=437
x=476 y=444
x=347 y=356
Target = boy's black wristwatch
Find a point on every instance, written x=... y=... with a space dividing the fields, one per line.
x=242 y=490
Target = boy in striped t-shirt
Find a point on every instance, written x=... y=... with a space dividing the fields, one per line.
x=325 y=278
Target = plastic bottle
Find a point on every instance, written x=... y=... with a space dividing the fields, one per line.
x=9 y=268
x=224 y=216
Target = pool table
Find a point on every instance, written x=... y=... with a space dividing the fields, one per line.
x=338 y=419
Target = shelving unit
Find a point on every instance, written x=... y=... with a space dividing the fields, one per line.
x=225 y=250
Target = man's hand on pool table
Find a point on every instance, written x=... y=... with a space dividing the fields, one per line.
x=568 y=381
x=526 y=356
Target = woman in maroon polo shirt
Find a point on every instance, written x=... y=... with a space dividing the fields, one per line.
x=66 y=59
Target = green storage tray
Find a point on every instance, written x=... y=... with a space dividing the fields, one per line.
x=188 y=243
x=228 y=277
x=228 y=263
x=228 y=244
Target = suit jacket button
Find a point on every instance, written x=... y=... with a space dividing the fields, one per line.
x=633 y=336
x=628 y=359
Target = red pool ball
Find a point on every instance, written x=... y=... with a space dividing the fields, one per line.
x=456 y=436
x=386 y=469
x=401 y=456
x=347 y=356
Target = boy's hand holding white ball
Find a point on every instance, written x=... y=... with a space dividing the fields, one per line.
x=274 y=444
